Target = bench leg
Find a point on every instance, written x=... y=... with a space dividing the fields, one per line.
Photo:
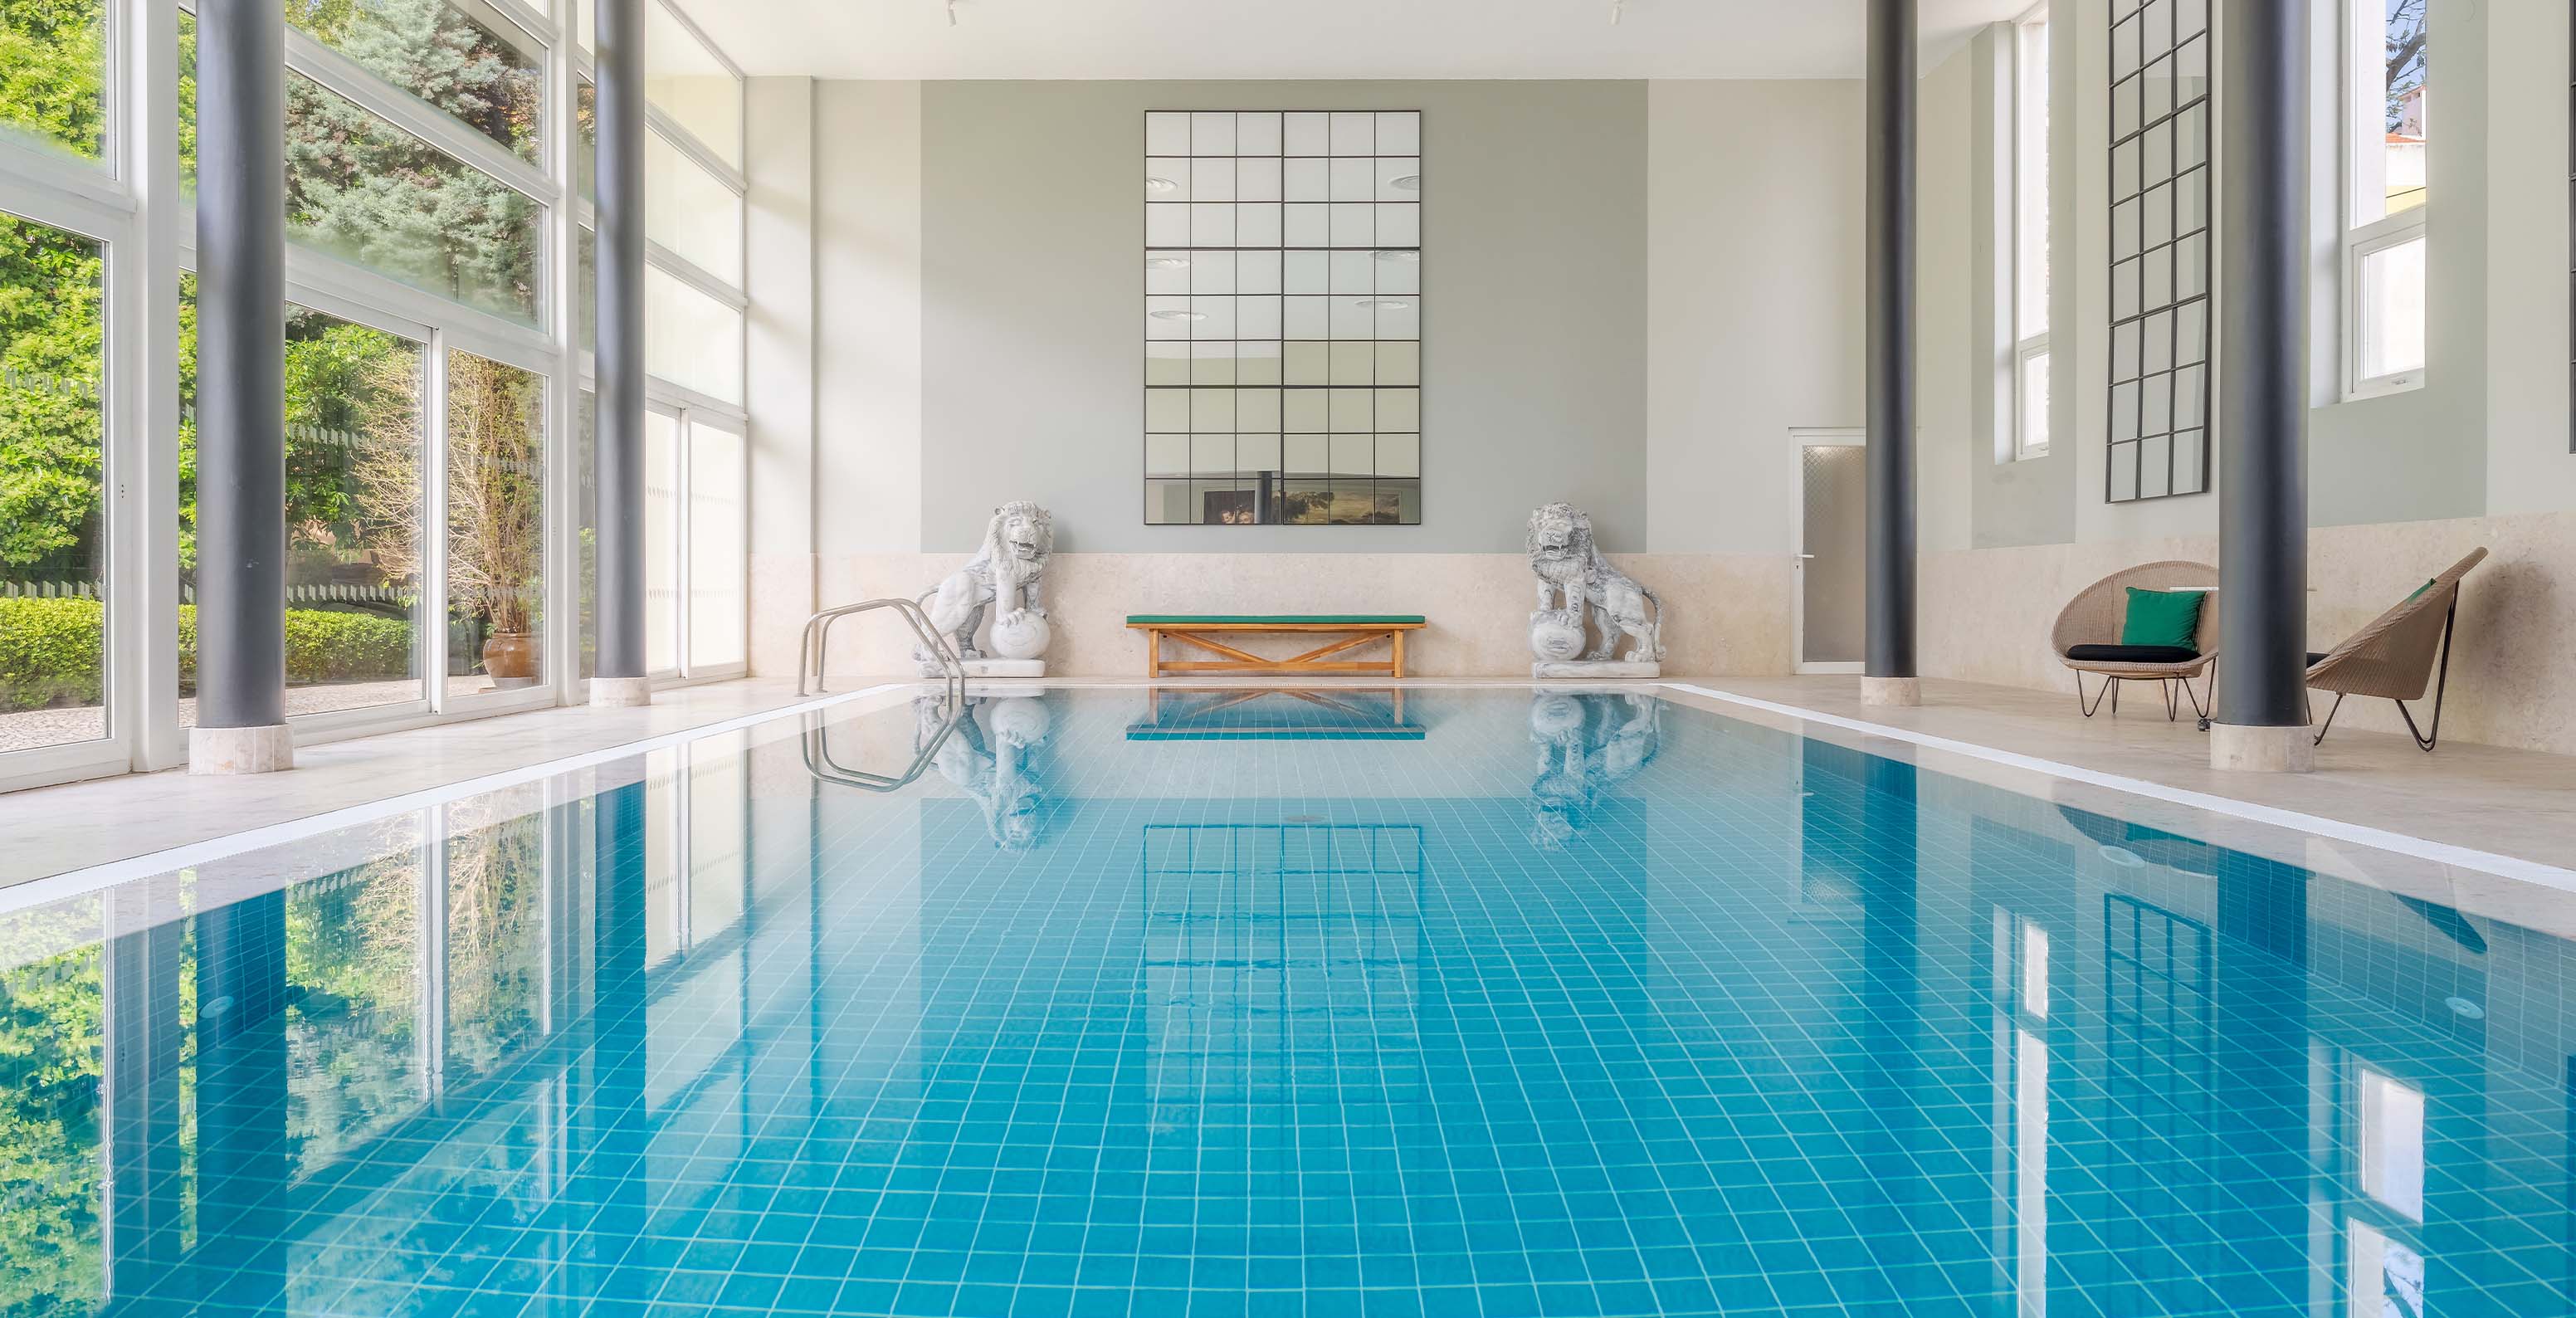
x=1153 y=653
x=1398 y=639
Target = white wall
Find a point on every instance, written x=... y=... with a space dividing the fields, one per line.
x=867 y=275
x=1753 y=306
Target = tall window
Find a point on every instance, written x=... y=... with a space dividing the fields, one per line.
x=695 y=474
x=2030 y=234
x=2161 y=246
x=2385 y=140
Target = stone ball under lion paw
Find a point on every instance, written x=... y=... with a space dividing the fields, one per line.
x=1555 y=635
x=1021 y=635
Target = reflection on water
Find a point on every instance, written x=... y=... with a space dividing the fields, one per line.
x=1745 y=1022
x=1588 y=743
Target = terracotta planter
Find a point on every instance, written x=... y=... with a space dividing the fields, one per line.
x=510 y=656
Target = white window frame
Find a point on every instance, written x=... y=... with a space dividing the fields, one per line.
x=2028 y=203
x=2361 y=46
x=130 y=201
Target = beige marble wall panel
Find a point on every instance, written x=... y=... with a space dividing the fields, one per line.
x=1729 y=611
x=1986 y=614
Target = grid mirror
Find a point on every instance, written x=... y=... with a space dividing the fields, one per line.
x=1283 y=317
x=2161 y=227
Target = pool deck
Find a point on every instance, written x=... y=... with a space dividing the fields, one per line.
x=2516 y=804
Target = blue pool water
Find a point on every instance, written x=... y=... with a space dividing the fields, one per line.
x=1468 y=1003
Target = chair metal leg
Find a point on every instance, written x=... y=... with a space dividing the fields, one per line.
x=2110 y=689
x=2328 y=725
x=2424 y=741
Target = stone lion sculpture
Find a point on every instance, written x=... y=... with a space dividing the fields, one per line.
x=1584 y=604
x=1008 y=576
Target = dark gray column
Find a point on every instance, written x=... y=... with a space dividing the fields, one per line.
x=1890 y=208
x=241 y=366
x=2262 y=405
x=620 y=47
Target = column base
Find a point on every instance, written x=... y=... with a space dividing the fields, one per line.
x=1891 y=692
x=2243 y=749
x=620 y=692
x=269 y=748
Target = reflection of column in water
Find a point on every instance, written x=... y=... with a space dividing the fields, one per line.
x=242 y=1144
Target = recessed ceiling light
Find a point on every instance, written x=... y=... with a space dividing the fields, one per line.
x=1406 y=182
x=1384 y=303
x=1167 y=263
x=1392 y=254
x=1180 y=315
x=1157 y=183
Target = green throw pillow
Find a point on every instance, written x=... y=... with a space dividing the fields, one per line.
x=2162 y=617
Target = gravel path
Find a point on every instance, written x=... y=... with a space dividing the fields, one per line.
x=54 y=727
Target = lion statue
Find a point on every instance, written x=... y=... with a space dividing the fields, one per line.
x=1008 y=576
x=1583 y=602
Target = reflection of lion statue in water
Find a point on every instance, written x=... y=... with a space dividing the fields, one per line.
x=1007 y=575
x=1575 y=581
x=1587 y=744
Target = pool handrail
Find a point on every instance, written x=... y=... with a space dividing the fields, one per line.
x=813 y=646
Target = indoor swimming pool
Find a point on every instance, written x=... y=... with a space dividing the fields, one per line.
x=1483 y=1003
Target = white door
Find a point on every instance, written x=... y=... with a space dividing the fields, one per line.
x=1828 y=594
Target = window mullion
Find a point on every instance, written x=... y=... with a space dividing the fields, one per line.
x=696 y=276
x=687 y=144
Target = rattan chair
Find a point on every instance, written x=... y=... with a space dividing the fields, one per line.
x=2400 y=653
x=2087 y=637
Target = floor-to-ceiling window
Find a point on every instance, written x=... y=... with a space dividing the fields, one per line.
x=439 y=319
x=695 y=524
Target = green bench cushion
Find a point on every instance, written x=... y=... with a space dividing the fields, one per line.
x=1259 y=619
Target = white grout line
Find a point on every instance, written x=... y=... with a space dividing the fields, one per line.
x=73 y=883
x=2444 y=853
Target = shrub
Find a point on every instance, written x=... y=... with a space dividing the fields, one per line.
x=50 y=649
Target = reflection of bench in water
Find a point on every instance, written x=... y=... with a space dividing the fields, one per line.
x=1271 y=714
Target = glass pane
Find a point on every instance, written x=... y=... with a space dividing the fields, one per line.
x=53 y=75
x=690 y=211
x=2389 y=123
x=716 y=531
x=53 y=555
x=2034 y=405
x=685 y=81
x=354 y=456
x=585 y=438
x=661 y=542
x=369 y=193
x=691 y=339
x=585 y=312
x=2392 y=310
x=585 y=126
x=496 y=461
x=2031 y=176
x=482 y=74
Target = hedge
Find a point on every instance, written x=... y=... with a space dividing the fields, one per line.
x=49 y=649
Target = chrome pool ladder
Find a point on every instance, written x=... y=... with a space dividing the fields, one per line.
x=818 y=636
x=824 y=768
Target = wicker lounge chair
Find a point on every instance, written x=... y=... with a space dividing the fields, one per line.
x=2400 y=653
x=2087 y=637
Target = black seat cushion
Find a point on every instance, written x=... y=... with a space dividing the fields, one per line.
x=2132 y=654
x=2315 y=658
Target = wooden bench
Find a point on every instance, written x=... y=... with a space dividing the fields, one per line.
x=1200 y=629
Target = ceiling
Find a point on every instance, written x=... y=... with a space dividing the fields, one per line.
x=1315 y=38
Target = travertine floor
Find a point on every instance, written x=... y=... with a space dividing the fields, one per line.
x=2513 y=803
